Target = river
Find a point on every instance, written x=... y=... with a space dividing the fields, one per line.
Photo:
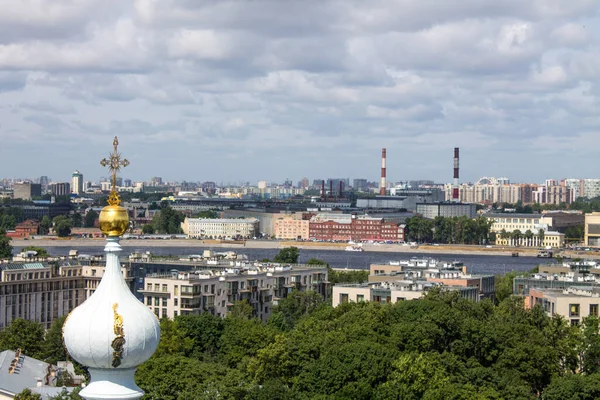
x=476 y=264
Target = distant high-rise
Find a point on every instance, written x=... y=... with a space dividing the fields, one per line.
x=361 y=185
x=26 y=190
x=59 y=189
x=127 y=182
x=44 y=182
x=77 y=183
x=304 y=183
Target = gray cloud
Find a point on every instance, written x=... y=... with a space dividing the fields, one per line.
x=316 y=87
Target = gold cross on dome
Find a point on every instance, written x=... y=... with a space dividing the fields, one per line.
x=114 y=163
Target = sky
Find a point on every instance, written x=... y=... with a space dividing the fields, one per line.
x=250 y=90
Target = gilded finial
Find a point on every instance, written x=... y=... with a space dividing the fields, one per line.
x=114 y=163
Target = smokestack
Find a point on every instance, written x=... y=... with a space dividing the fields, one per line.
x=323 y=189
x=455 y=196
x=331 y=188
x=382 y=188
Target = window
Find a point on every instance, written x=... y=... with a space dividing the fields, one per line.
x=343 y=297
x=360 y=297
x=164 y=287
x=573 y=310
x=164 y=302
x=156 y=301
x=574 y=322
x=175 y=302
x=176 y=290
x=149 y=300
x=594 y=309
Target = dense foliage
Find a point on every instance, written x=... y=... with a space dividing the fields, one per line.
x=441 y=347
x=62 y=225
x=454 y=230
x=287 y=255
x=168 y=220
x=5 y=247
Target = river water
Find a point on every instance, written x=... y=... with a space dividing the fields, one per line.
x=477 y=264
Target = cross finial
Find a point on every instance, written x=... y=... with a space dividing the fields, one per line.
x=114 y=163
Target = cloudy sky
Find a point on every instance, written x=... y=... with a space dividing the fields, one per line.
x=250 y=90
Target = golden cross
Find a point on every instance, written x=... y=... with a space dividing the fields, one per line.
x=114 y=163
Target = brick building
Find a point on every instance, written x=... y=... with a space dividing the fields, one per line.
x=25 y=229
x=355 y=229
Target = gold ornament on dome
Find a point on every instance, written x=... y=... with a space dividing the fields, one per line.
x=114 y=220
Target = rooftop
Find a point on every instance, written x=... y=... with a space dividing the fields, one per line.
x=26 y=372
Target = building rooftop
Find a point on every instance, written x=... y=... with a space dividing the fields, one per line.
x=18 y=372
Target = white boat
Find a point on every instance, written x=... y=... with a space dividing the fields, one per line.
x=354 y=247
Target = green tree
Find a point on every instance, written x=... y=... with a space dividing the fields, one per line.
x=27 y=394
x=53 y=348
x=287 y=255
x=296 y=305
x=210 y=214
x=5 y=247
x=316 y=261
x=76 y=220
x=575 y=387
x=90 y=218
x=45 y=225
x=62 y=225
x=23 y=334
x=147 y=229
x=66 y=395
x=205 y=331
x=168 y=220
x=41 y=252
x=173 y=341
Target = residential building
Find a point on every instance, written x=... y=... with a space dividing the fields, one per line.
x=25 y=229
x=26 y=190
x=216 y=290
x=592 y=229
x=77 y=183
x=59 y=189
x=360 y=185
x=348 y=227
x=573 y=303
x=591 y=188
x=243 y=228
x=42 y=292
x=19 y=372
x=392 y=292
x=447 y=210
x=292 y=226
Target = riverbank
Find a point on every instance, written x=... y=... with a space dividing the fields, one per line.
x=274 y=244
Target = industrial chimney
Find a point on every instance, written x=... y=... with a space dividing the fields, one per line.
x=323 y=190
x=382 y=188
x=455 y=196
x=341 y=190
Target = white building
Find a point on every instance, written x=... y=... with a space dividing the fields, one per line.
x=591 y=188
x=242 y=228
x=77 y=182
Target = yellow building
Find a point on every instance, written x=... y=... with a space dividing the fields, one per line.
x=291 y=226
x=592 y=229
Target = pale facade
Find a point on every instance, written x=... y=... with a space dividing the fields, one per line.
x=245 y=228
x=574 y=303
x=77 y=182
x=551 y=239
x=292 y=226
x=215 y=292
x=591 y=188
x=40 y=292
x=592 y=229
x=392 y=292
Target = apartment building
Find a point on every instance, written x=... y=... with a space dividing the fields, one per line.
x=43 y=291
x=291 y=226
x=243 y=228
x=392 y=292
x=26 y=190
x=447 y=274
x=592 y=229
x=572 y=303
x=216 y=290
x=446 y=210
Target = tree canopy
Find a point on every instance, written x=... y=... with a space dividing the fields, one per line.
x=5 y=247
x=287 y=255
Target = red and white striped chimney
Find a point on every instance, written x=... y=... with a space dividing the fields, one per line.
x=455 y=196
x=382 y=188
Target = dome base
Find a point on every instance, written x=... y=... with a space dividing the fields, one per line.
x=112 y=384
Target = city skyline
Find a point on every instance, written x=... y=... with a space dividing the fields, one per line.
x=284 y=90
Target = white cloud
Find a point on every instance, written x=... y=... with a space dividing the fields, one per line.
x=319 y=80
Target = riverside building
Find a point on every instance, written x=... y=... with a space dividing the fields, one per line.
x=42 y=292
x=215 y=290
x=243 y=228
